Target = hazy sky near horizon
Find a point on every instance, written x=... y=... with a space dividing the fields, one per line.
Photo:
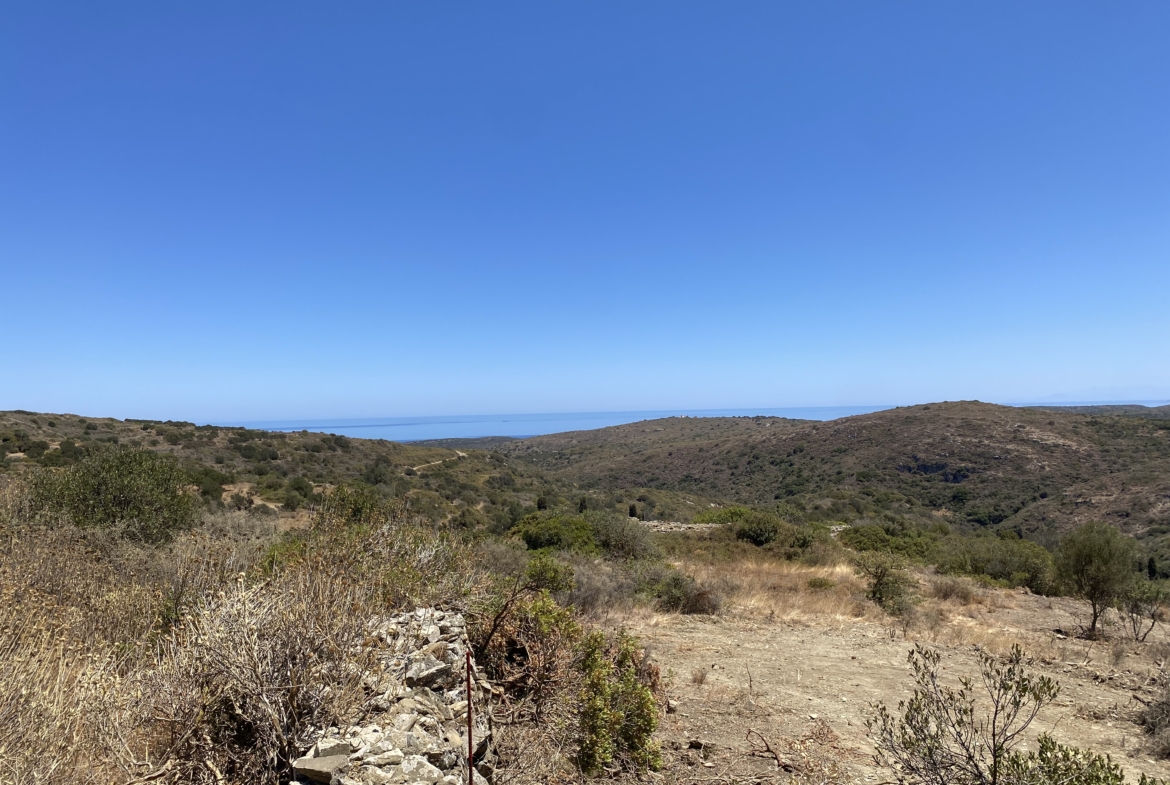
x=233 y=211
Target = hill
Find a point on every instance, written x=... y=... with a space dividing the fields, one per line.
x=1034 y=470
x=1125 y=410
x=289 y=470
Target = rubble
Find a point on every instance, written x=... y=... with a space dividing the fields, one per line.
x=413 y=730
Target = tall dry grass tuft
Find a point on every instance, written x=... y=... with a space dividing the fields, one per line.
x=238 y=684
x=781 y=589
x=48 y=676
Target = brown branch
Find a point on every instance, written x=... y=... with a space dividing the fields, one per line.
x=763 y=749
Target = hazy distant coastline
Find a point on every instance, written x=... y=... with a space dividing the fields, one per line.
x=471 y=426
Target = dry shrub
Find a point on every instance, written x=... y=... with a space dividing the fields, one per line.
x=239 y=684
x=824 y=553
x=1155 y=719
x=195 y=663
x=48 y=678
x=600 y=587
x=780 y=588
x=947 y=587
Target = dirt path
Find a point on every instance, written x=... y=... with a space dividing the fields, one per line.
x=458 y=455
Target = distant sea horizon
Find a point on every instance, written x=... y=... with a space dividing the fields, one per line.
x=520 y=426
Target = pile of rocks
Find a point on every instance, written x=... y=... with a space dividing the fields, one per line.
x=676 y=526
x=415 y=722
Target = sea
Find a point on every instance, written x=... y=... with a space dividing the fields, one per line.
x=473 y=426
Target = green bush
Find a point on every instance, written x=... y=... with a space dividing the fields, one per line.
x=721 y=515
x=618 y=714
x=941 y=735
x=209 y=481
x=914 y=542
x=760 y=528
x=1096 y=562
x=677 y=592
x=144 y=495
x=620 y=537
x=888 y=583
x=556 y=532
x=1014 y=562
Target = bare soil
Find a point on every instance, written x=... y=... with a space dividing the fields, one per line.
x=803 y=686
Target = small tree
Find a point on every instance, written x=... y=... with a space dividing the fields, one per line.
x=885 y=574
x=1140 y=605
x=758 y=528
x=143 y=495
x=1096 y=562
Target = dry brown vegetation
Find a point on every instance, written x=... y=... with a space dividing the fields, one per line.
x=214 y=659
x=792 y=654
x=199 y=663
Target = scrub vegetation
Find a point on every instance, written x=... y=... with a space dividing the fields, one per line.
x=146 y=564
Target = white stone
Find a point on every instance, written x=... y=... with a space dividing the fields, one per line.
x=417 y=768
x=390 y=758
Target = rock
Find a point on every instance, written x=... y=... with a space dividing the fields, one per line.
x=416 y=768
x=326 y=748
x=370 y=775
x=370 y=737
x=320 y=769
x=444 y=759
x=405 y=722
x=671 y=707
x=415 y=689
x=390 y=758
x=427 y=672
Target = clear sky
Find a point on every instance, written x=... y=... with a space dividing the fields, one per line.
x=233 y=211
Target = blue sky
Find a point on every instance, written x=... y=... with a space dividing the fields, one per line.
x=233 y=211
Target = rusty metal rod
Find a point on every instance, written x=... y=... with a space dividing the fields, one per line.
x=470 y=743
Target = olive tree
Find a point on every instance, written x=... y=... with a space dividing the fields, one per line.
x=1096 y=563
x=143 y=495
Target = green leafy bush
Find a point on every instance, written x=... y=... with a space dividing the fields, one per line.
x=913 y=542
x=556 y=532
x=1096 y=563
x=677 y=592
x=722 y=515
x=888 y=583
x=618 y=714
x=761 y=528
x=1014 y=562
x=620 y=537
x=144 y=495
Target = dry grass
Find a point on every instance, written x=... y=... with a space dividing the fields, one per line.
x=197 y=663
x=949 y=587
x=780 y=590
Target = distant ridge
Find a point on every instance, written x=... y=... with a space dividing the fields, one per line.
x=1115 y=410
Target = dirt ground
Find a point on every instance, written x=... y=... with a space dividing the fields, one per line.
x=777 y=671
